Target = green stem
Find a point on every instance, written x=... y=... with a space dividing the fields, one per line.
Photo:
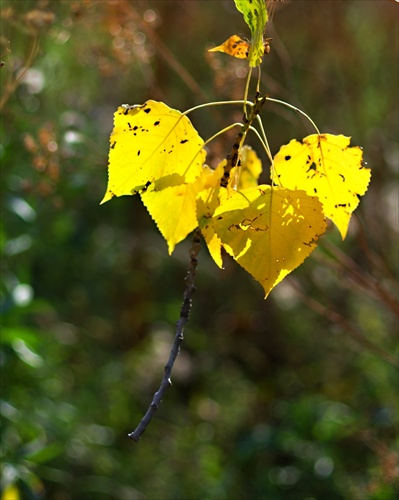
x=238 y=124
x=295 y=109
x=264 y=144
x=246 y=93
x=216 y=103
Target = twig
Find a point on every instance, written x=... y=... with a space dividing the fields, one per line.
x=13 y=82
x=233 y=158
x=351 y=329
x=184 y=315
x=366 y=281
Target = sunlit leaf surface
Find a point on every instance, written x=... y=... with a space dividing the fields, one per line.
x=325 y=166
x=269 y=232
x=152 y=147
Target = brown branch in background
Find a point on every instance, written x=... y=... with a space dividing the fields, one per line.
x=184 y=315
x=365 y=281
x=14 y=81
x=167 y=55
x=351 y=329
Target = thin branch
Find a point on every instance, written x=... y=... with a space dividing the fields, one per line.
x=367 y=282
x=14 y=82
x=350 y=328
x=184 y=315
x=168 y=56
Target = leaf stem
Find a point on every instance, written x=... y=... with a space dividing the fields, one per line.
x=245 y=112
x=237 y=124
x=295 y=109
x=184 y=315
x=258 y=83
x=216 y=103
x=264 y=144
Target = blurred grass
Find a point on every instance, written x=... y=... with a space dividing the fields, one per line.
x=270 y=399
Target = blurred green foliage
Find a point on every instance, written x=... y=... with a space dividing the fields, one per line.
x=289 y=398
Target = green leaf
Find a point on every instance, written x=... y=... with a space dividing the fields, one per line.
x=255 y=15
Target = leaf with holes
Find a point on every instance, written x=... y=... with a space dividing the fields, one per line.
x=325 y=166
x=234 y=46
x=269 y=231
x=152 y=147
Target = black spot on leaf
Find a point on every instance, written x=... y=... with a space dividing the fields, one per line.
x=138 y=153
x=312 y=167
x=113 y=145
x=147 y=110
x=147 y=185
x=287 y=158
x=157 y=123
x=183 y=141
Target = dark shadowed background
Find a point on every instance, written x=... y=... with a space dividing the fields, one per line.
x=289 y=398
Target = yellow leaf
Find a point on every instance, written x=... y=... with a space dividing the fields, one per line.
x=173 y=208
x=248 y=173
x=152 y=147
x=234 y=46
x=237 y=47
x=207 y=201
x=324 y=166
x=269 y=231
x=10 y=492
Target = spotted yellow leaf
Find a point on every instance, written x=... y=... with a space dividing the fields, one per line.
x=213 y=195
x=234 y=46
x=325 y=166
x=152 y=147
x=269 y=231
x=237 y=47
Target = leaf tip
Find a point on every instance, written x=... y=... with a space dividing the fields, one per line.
x=108 y=196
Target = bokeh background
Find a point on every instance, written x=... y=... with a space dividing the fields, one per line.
x=294 y=397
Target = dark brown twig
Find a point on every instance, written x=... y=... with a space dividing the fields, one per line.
x=232 y=159
x=184 y=315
